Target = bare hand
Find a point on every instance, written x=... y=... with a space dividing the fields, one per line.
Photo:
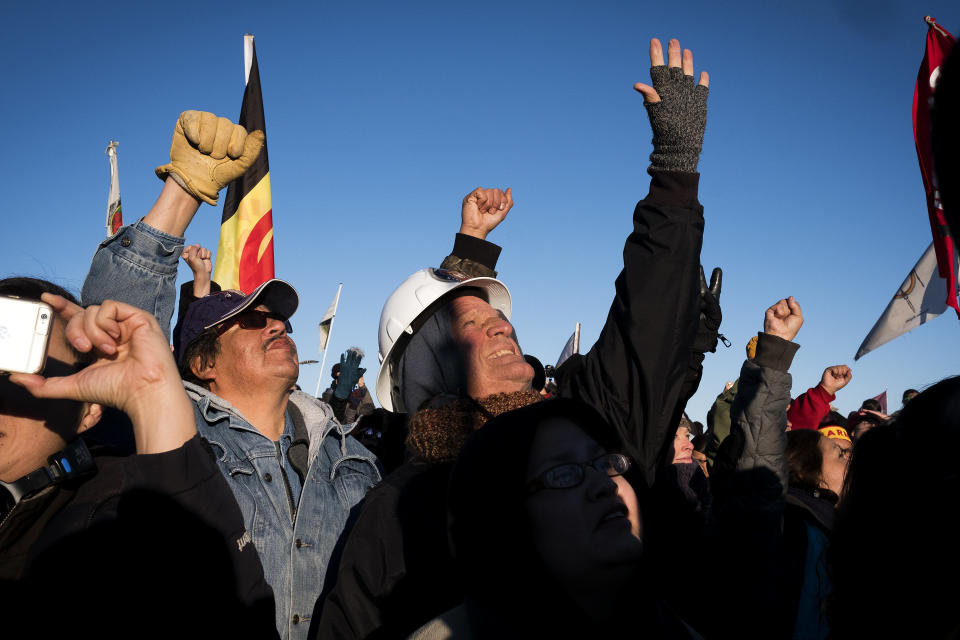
x=483 y=209
x=134 y=371
x=674 y=59
x=835 y=378
x=783 y=319
x=198 y=259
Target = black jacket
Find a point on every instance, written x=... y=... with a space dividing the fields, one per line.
x=149 y=545
x=632 y=376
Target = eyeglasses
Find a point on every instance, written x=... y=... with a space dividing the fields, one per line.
x=571 y=474
x=253 y=319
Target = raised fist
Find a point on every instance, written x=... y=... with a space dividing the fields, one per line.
x=783 y=319
x=835 y=378
x=483 y=209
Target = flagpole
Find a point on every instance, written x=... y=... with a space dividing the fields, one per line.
x=576 y=339
x=323 y=362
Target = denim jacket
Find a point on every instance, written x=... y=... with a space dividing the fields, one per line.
x=295 y=542
x=295 y=545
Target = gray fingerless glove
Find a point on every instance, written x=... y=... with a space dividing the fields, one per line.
x=678 y=120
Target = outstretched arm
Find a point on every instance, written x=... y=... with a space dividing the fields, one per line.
x=138 y=265
x=635 y=372
x=812 y=406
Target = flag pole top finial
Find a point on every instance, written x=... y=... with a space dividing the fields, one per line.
x=930 y=20
x=111 y=147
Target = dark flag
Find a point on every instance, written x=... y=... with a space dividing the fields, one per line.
x=245 y=252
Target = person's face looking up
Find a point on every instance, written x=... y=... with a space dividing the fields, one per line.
x=32 y=430
x=834 y=467
x=587 y=528
x=493 y=361
x=254 y=357
x=682 y=447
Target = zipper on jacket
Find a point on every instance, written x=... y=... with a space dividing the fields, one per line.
x=9 y=513
x=286 y=485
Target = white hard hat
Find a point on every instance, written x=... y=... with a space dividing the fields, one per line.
x=412 y=301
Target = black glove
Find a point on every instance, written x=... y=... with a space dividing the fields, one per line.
x=678 y=120
x=350 y=372
x=710 y=315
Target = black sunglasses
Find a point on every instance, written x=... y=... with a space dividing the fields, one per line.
x=571 y=474
x=253 y=319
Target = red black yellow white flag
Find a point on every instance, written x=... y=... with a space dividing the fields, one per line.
x=245 y=253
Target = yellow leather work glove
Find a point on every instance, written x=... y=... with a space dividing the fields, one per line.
x=208 y=152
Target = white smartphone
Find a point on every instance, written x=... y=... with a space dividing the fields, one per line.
x=24 y=334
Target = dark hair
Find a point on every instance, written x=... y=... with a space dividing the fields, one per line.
x=696 y=428
x=33 y=288
x=833 y=419
x=539 y=376
x=805 y=461
x=871 y=404
x=909 y=393
x=700 y=442
x=886 y=559
x=203 y=351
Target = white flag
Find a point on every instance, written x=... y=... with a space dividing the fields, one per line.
x=572 y=346
x=921 y=297
x=114 y=211
x=326 y=322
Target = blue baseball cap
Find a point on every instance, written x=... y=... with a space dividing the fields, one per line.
x=209 y=311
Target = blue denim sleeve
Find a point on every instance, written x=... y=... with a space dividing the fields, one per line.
x=136 y=265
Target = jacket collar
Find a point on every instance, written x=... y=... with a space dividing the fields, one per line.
x=317 y=416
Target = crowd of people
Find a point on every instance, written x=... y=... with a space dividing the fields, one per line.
x=164 y=482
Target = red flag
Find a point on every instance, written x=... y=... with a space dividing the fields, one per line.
x=882 y=399
x=939 y=43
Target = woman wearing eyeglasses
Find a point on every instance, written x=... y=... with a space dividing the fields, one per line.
x=547 y=534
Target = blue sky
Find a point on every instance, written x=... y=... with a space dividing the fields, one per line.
x=382 y=115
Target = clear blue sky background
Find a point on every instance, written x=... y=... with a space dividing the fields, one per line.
x=382 y=115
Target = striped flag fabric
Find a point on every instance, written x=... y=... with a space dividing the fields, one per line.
x=114 y=212
x=245 y=252
x=939 y=44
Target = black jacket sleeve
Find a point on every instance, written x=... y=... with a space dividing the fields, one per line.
x=472 y=257
x=634 y=373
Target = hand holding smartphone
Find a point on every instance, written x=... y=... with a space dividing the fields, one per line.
x=24 y=334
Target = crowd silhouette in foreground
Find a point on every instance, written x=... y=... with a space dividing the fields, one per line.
x=162 y=483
